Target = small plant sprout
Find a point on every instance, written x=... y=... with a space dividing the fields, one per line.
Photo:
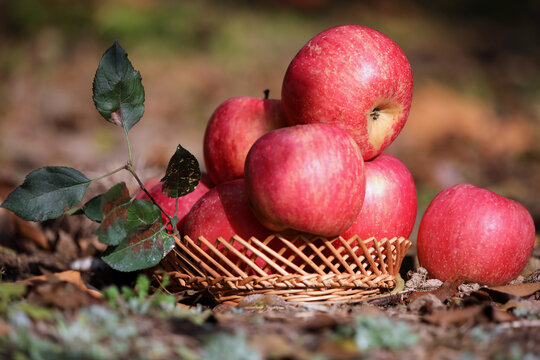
x=378 y=333
x=139 y=300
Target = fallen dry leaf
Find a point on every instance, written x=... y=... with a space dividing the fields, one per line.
x=69 y=276
x=344 y=349
x=62 y=295
x=31 y=231
x=503 y=294
x=64 y=290
x=426 y=304
x=519 y=290
x=66 y=246
x=470 y=315
x=5 y=329
x=275 y=346
x=319 y=322
x=443 y=293
x=527 y=306
x=262 y=300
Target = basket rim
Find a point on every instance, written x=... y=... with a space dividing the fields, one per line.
x=292 y=281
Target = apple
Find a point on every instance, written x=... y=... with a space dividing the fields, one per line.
x=184 y=203
x=475 y=235
x=308 y=178
x=389 y=207
x=149 y=183
x=354 y=77
x=232 y=129
x=223 y=212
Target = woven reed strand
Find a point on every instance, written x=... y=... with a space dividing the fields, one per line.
x=299 y=269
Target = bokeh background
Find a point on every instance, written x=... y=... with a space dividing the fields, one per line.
x=475 y=116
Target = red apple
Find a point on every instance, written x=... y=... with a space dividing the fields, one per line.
x=389 y=207
x=184 y=203
x=308 y=178
x=149 y=183
x=472 y=234
x=223 y=212
x=354 y=77
x=232 y=129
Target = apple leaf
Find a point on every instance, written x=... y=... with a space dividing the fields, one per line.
x=114 y=207
x=142 y=213
x=182 y=175
x=47 y=193
x=144 y=247
x=92 y=208
x=134 y=229
x=118 y=92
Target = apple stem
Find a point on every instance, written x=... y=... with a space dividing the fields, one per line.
x=375 y=113
x=129 y=167
x=266 y=93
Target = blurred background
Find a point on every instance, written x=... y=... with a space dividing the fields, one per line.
x=475 y=116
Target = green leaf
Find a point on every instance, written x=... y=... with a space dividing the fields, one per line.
x=114 y=207
x=382 y=332
x=10 y=290
x=36 y=312
x=47 y=193
x=142 y=213
x=142 y=286
x=117 y=88
x=143 y=248
x=92 y=208
x=182 y=175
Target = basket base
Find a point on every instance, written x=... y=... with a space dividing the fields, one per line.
x=305 y=296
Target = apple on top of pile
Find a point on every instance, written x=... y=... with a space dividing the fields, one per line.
x=312 y=162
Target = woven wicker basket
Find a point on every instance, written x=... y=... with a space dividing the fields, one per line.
x=299 y=269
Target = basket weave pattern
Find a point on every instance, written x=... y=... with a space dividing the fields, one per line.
x=306 y=269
